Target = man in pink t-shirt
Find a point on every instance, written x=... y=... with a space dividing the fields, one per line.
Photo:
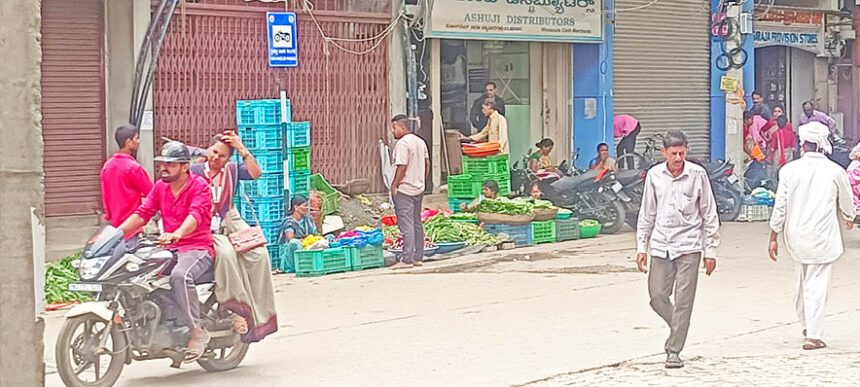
x=626 y=128
x=124 y=181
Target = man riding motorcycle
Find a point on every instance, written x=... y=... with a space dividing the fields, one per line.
x=185 y=203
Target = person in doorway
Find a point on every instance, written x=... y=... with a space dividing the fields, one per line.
x=809 y=191
x=490 y=190
x=476 y=114
x=124 y=181
x=412 y=164
x=626 y=129
x=495 y=131
x=185 y=203
x=759 y=107
x=541 y=159
x=783 y=141
x=294 y=228
x=603 y=161
x=678 y=225
x=812 y=115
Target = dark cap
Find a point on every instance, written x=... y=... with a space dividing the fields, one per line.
x=174 y=152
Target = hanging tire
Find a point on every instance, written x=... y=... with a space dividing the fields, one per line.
x=83 y=350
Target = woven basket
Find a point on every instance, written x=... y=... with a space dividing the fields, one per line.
x=490 y=218
x=545 y=214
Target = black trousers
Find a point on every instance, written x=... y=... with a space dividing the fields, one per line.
x=628 y=143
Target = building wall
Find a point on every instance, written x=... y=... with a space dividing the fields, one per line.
x=21 y=187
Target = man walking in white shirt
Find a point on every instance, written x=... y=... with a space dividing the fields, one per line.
x=678 y=224
x=812 y=199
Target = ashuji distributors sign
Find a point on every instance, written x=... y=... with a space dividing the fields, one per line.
x=524 y=20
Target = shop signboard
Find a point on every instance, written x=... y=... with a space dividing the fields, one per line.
x=803 y=29
x=517 y=20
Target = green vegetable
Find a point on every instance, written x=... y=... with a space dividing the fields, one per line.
x=543 y=205
x=505 y=207
x=442 y=229
x=58 y=276
x=589 y=223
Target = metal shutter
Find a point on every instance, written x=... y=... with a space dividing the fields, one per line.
x=662 y=68
x=73 y=105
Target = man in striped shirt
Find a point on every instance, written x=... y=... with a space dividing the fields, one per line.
x=678 y=225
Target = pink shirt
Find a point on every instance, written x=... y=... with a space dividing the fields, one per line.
x=194 y=199
x=624 y=125
x=124 y=185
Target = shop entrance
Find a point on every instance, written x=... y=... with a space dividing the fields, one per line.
x=785 y=76
x=533 y=79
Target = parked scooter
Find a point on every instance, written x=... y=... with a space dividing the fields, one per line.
x=126 y=323
x=591 y=195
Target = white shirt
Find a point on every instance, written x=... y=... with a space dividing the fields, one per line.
x=678 y=214
x=411 y=151
x=812 y=200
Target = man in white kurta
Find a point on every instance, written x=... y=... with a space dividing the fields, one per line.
x=813 y=201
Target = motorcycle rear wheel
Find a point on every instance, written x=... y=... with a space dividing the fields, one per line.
x=225 y=359
x=729 y=212
x=80 y=348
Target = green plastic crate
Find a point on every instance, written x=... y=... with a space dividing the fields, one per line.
x=543 y=232
x=503 y=179
x=566 y=229
x=454 y=204
x=331 y=198
x=312 y=263
x=464 y=187
x=368 y=257
x=486 y=165
x=298 y=158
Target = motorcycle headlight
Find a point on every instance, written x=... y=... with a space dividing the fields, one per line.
x=89 y=268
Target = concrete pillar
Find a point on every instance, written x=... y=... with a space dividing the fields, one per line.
x=21 y=191
x=142 y=14
x=121 y=54
x=396 y=58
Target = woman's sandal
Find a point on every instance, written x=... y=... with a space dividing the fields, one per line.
x=814 y=344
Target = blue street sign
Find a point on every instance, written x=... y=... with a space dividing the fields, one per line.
x=283 y=40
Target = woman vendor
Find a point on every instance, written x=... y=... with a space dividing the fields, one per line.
x=294 y=228
x=540 y=159
x=490 y=191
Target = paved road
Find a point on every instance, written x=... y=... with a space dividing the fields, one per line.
x=573 y=313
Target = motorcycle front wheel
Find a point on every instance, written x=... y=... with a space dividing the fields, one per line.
x=614 y=217
x=729 y=202
x=81 y=360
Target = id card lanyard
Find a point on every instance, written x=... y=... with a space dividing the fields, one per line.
x=217 y=193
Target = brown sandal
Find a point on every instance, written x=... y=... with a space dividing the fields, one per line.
x=814 y=344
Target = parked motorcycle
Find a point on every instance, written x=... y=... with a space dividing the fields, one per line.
x=126 y=321
x=591 y=195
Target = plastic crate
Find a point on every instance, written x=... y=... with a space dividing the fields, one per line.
x=261 y=137
x=297 y=134
x=464 y=187
x=274 y=254
x=588 y=232
x=330 y=197
x=543 y=232
x=310 y=263
x=298 y=158
x=521 y=235
x=454 y=204
x=566 y=229
x=368 y=257
x=299 y=182
x=259 y=112
x=486 y=165
x=268 y=185
x=264 y=210
x=271 y=161
x=754 y=213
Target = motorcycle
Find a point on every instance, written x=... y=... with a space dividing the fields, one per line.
x=591 y=195
x=126 y=321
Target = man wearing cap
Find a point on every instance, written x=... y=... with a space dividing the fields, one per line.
x=813 y=198
x=185 y=203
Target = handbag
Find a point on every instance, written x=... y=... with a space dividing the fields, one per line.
x=249 y=238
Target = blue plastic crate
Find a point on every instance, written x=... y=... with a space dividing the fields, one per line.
x=297 y=134
x=274 y=255
x=259 y=112
x=265 y=209
x=454 y=204
x=268 y=185
x=271 y=161
x=300 y=182
x=521 y=235
x=261 y=137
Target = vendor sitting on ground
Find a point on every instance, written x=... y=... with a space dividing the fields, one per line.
x=490 y=191
x=540 y=159
x=603 y=161
x=295 y=227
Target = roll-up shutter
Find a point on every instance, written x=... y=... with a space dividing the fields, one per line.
x=73 y=112
x=662 y=67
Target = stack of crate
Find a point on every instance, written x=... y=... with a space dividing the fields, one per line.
x=296 y=152
x=261 y=202
x=476 y=170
